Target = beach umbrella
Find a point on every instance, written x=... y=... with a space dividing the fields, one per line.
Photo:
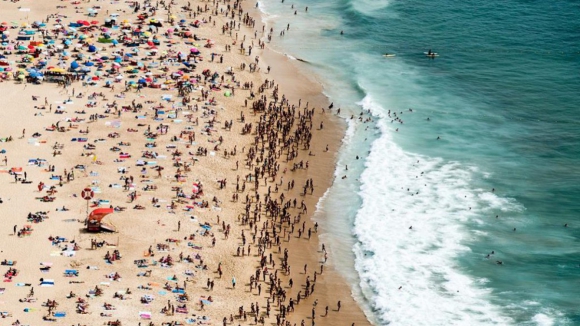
x=89 y=63
x=74 y=65
x=92 y=48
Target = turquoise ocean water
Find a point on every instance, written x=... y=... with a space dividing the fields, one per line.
x=503 y=96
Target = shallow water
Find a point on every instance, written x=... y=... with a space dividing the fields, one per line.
x=503 y=97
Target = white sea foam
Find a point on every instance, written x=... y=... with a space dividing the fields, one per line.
x=370 y=7
x=543 y=320
x=410 y=275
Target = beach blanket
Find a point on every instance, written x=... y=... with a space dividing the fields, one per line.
x=47 y=283
x=145 y=314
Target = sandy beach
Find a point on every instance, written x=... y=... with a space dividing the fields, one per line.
x=204 y=157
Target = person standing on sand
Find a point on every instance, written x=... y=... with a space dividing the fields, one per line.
x=233 y=282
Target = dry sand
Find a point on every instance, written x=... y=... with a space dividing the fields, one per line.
x=140 y=229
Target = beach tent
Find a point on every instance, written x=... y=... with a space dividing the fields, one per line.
x=94 y=223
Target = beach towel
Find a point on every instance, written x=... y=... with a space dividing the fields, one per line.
x=60 y=314
x=145 y=314
x=71 y=272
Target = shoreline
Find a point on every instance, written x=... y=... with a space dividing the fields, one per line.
x=333 y=283
x=155 y=225
x=338 y=126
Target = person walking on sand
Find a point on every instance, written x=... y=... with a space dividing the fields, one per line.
x=233 y=282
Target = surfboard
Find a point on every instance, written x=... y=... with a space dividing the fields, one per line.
x=433 y=54
x=389 y=55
